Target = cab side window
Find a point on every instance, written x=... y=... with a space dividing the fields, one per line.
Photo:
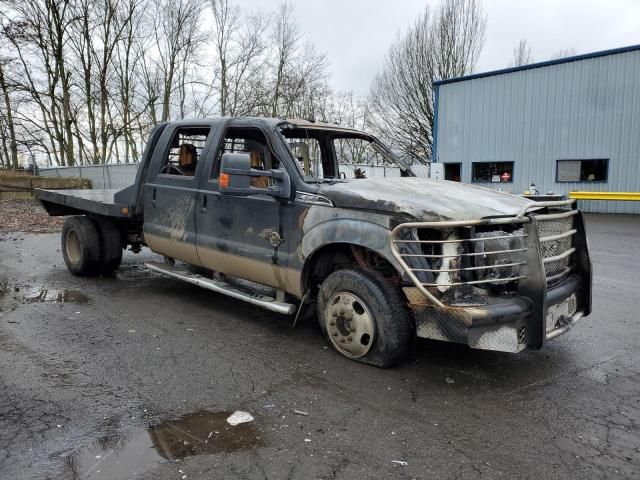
x=356 y=157
x=308 y=153
x=252 y=142
x=185 y=150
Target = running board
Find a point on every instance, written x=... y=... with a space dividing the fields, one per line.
x=222 y=287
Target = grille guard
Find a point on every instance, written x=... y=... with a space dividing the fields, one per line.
x=541 y=252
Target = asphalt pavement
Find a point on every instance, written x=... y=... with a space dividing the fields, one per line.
x=134 y=376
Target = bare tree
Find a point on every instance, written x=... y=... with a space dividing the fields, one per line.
x=240 y=47
x=151 y=84
x=521 y=54
x=226 y=23
x=459 y=27
x=37 y=30
x=441 y=45
x=305 y=83
x=126 y=67
x=88 y=79
x=286 y=37
x=564 y=53
x=97 y=35
x=345 y=108
x=298 y=74
x=178 y=39
x=10 y=148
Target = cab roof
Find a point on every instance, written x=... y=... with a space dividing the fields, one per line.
x=273 y=123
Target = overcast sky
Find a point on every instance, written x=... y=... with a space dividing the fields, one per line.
x=355 y=34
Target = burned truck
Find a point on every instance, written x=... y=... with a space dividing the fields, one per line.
x=272 y=212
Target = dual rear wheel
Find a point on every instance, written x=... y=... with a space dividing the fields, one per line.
x=91 y=246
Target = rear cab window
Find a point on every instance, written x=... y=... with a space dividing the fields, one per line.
x=185 y=152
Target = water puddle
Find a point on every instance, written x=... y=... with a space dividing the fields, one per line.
x=39 y=295
x=133 y=272
x=116 y=457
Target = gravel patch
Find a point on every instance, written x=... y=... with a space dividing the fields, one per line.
x=27 y=216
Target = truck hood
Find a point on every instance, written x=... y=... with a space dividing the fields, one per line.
x=423 y=199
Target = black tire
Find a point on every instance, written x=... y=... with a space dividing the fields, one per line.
x=392 y=326
x=81 y=246
x=110 y=244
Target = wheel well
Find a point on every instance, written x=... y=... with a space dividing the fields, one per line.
x=119 y=224
x=130 y=230
x=340 y=255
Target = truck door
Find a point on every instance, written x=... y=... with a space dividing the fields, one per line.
x=241 y=235
x=170 y=194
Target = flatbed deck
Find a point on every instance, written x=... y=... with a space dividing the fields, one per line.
x=65 y=202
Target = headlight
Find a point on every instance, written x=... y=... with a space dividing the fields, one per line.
x=499 y=254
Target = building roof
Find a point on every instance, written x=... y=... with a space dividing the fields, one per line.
x=548 y=63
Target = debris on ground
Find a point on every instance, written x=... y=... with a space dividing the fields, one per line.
x=239 y=417
x=399 y=462
x=449 y=380
x=27 y=216
x=300 y=412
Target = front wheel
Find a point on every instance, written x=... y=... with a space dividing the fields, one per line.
x=364 y=317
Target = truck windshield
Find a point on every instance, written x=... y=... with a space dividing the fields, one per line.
x=328 y=155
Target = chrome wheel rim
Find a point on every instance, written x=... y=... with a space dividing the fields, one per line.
x=350 y=326
x=72 y=246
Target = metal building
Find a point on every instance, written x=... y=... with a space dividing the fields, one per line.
x=564 y=125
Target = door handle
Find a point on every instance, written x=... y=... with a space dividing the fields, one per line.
x=203 y=209
x=153 y=198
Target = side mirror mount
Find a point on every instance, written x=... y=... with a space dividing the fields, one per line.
x=236 y=174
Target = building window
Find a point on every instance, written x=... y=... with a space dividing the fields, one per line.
x=494 y=172
x=593 y=170
x=452 y=171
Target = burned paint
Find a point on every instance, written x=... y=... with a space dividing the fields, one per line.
x=326 y=226
x=450 y=261
x=494 y=323
x=263 y=272
x=424 y=199
x=176 y=217
x=200 y=433
x=226 y=222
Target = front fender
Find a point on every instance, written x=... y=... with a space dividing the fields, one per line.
x=351 y=231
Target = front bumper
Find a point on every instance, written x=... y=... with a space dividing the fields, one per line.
x=506 y=326
x=541 y=309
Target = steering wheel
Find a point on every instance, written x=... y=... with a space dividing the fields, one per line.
x=171 y=170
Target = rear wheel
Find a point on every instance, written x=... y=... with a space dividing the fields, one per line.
x=81 y=246
x=364 y=317
x=110 y=244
